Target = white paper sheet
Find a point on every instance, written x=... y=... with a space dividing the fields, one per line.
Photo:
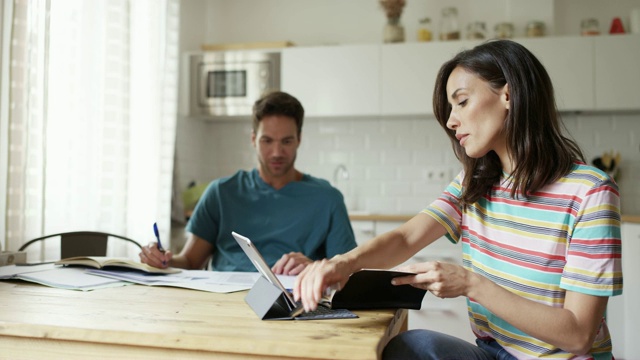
x=212 y=281
x=72 y=278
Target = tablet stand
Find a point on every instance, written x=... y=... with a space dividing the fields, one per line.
x=268 y=301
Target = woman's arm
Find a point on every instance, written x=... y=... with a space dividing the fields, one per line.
x=572 y=328
x=382 y=252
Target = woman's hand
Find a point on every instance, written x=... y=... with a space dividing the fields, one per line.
x=443 y=280
x=152 y=256
x=319 y=277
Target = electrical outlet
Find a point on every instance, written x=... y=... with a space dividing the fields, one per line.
x=437 y=174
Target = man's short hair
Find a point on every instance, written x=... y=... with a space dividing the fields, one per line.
x=278 y=103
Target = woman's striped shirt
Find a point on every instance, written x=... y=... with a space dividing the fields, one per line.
x=566 y=236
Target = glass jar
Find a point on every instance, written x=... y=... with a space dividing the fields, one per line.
x=424 y=30
x=504 y=30
x=589 y=27
x=449 y=28
x=393 y=31
x=535 y=29
x=476 y=31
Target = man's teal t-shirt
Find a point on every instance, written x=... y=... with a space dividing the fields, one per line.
x=307 y=216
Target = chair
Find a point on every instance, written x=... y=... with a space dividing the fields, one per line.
x=83 y=243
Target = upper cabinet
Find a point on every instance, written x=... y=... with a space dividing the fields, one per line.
x=334 y=80
x=570 y=64
x=408 y=74
x=588 y=73
x=617 y=64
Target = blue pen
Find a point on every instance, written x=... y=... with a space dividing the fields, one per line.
x=155 y=231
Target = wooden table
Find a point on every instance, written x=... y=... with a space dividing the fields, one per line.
x=145 y=322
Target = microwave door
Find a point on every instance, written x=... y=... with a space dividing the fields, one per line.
x=231 y=89
x=227 y=84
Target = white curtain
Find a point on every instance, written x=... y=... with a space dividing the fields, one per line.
x=91 y=125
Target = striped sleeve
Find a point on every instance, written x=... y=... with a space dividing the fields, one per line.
x=446 y=209
x=594 y=254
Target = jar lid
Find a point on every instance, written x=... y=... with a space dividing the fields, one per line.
x=452 y=10
x=504 y=25
x=589 y=21
x=535 y=24
x=476 y=25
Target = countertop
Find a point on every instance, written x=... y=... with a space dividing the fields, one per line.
x=634 y=219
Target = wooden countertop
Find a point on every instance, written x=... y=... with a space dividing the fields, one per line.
x=634 y=219
x=380 y=217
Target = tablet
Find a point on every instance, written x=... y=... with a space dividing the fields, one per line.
x=264 y=269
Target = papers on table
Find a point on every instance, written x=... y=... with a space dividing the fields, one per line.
x=81 y=278
x=72 y=278
x=213 y=281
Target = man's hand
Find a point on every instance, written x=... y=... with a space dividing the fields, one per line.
x=152 y=256
x=291 y=264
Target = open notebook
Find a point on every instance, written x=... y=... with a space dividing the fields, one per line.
x=290 y=309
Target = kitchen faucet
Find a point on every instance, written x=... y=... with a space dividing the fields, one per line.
x=340 y=172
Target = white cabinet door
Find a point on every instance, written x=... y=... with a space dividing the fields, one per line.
x=617 y=64
x=570 y=64
x=334 y=80
x=409 y=74
x=364 y=230
x=623 y=313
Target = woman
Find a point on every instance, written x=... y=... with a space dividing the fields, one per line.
x=540 y=230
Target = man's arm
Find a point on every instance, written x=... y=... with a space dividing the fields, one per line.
x=340 y=237
x=194 y=254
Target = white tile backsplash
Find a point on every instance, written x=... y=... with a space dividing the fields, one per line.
x=395 y=165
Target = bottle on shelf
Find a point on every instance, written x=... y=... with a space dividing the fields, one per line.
x=589 y=27
x=535 y=29
x=424 y=30
x=476 y=31
x=504 y=30
x=449 y=28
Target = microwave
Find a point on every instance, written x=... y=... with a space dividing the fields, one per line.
x=228 y=83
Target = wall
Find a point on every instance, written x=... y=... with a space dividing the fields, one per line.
x=396 y=165
x=317 y=22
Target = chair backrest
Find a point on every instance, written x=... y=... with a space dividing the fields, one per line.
x=81 y=243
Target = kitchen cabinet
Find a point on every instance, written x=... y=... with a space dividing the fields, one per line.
x=334 y=80
x=570 y=64
x=408 y=74
x=588 y=73
x=448 y=316
x=617 y=72
x=623 y=313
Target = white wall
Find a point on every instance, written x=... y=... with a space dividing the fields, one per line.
x=396 y=165
x=317 y=22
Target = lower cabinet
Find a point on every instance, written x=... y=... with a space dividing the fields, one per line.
x=448 y=316
x=623 y=313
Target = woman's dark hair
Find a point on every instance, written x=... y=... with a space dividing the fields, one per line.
x=533 y=128
x=278 y=103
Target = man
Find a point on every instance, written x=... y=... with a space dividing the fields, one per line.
x=293 y=218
